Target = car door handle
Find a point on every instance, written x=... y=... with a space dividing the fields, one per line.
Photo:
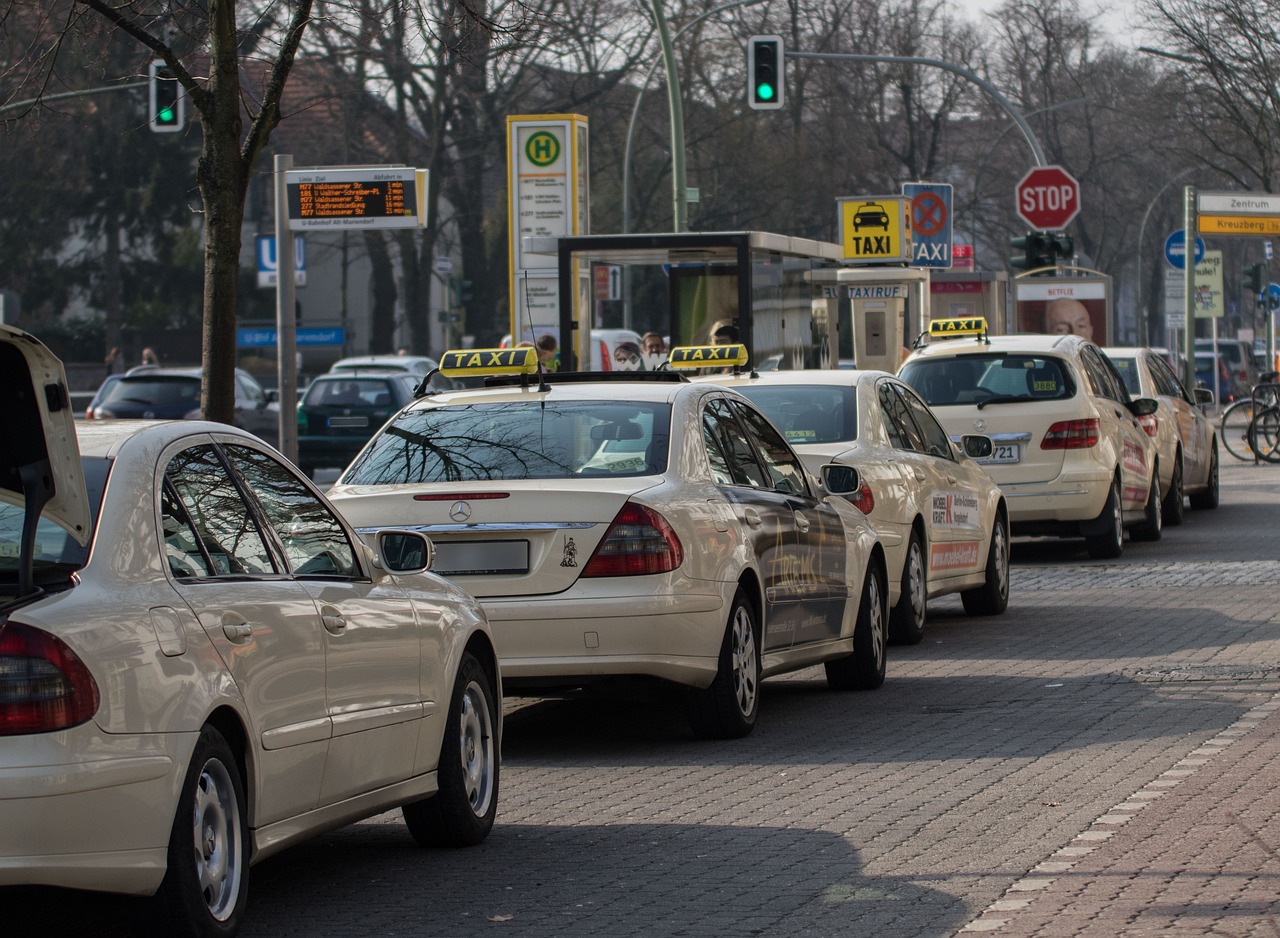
x=334 y=622
x=921 y=475
x=951 y=479
x=237 y=630
x=802 y=523
x=752 y=517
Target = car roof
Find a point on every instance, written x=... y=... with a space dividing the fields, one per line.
x=639 y=391
x=1031 y=342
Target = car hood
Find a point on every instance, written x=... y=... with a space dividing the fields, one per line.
x=38 y=427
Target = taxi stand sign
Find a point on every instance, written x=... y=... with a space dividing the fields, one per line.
x=705 y=356
x=875 y=229
x=489 y=361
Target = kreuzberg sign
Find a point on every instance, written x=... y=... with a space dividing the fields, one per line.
x=875 y=228
x=1239 y=214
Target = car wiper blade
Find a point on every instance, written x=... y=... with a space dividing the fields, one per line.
x=1005 y=399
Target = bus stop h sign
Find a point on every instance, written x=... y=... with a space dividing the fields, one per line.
x=1048 y=198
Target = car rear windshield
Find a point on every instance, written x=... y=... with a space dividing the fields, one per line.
x=57 y=554
x=154 y=390
x=808 y=413
x=981 y=379
x=517 y=440
x=350 y=392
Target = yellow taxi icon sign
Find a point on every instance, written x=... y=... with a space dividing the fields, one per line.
x=707 y=356
x=953 y=328
x=459 y=363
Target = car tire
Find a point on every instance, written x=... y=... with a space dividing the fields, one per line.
x=1172 y=506
x=1208 y=499
x=206 y=885
x=730 y=706
x=864 y=668
x=1108 y=544
x=906 y=621
x=462 y=811
x=1152 y=525
x=992 y=597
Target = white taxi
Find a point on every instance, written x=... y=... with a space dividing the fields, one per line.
x=1070 y=454
x=632 y=525
x=942 y=520
x=202 y=664
x=1186 y=439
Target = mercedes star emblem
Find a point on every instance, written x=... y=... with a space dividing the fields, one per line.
x=460 y=511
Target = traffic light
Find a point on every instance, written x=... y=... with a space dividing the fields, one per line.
x=168 y=103
x=1062 y=245
x=1036 y=248
x=1255 y=280
x=765 y=90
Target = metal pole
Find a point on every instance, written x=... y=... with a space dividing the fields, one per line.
x=19 y=105
x=1189 y=285
x=286 y=322
x=677 y=119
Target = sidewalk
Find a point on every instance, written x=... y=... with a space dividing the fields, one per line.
x=1194 y=852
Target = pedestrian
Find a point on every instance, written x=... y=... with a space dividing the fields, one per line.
x=149 y=357
x=113 y=357
x=548 y=352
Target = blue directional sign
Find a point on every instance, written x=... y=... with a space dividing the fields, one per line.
x=1175 y=249
x=266 y=337
x=930 y=223
x=1273 y=296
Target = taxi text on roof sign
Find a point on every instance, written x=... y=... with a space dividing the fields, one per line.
x=489 y=361
x=876 y=229
x=702 y=356
x=950 y=328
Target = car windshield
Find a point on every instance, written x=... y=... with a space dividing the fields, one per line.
x=517 y=440
x=349 y=392
x=57 y=553
x=1128 y=368
x=153 y=390
x=982 y=379
x=808 y=413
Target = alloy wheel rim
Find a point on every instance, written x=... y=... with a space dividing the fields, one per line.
x=477 y=748
x=744 y=662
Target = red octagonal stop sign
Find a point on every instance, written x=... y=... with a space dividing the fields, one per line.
x=1048 y=198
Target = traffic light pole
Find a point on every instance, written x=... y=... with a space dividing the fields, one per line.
x=678 y=190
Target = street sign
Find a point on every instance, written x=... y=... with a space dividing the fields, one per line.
x=442 y=265
x=1273 y=296
x=930 y=223
x=266 y=337
x=607 y=281
x=875 y=228
x=369 y=197
x=1048 y=198
x=269 y=264
x=1175 y=249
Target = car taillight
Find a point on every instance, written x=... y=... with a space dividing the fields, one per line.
x=44 y=686
x=638 y=542
x=863 y=499
x=1150 y=423
x=1071 y=434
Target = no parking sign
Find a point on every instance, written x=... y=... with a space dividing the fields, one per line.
x=930 y=223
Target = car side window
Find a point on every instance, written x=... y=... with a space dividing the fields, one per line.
x=785 y=469
x=898 y=417
x=183 y=551
x=217 y=514
x=1167 y=382
x=250 y=391
x=315 y=544
x=1101 y=376
x=936 y=441
x=739 y=456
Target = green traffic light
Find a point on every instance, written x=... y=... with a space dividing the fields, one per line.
x=764 y=91
x=165 y=115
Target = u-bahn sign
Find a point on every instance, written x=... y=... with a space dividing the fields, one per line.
x=1048 y=198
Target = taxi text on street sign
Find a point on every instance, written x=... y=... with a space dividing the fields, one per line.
x=1238 y=214
x=875 y=228
x=930 y=223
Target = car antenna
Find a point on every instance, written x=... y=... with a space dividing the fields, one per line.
x=528 y=312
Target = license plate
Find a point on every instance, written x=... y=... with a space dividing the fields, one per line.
x=347 y=422
x=475 y=558
x=1004 y=452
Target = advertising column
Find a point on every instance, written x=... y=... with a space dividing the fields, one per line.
x=547 y=199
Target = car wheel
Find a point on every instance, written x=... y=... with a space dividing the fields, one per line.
x=1172 y=506
x=864 y=668
x=1153 y=515
x=461 y=812
x=906 y=621
x=992 y=597
x=207 y=881
x=1109 y=543
x=1208 y=499
x=728 y=708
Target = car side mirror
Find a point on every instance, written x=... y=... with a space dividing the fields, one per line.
x=839 y=479
x=404 y=551
x=977 y=446
x=1143 y=406
x=1203 y=396
x=273 y=396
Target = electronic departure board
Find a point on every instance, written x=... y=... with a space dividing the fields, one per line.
x=373 y=197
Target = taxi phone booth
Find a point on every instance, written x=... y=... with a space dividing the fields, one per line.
x=969 y=294
x=883 y=308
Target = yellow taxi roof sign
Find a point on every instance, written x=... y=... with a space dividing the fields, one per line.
x=707 y=356
x=952 y=328
x=459 y=363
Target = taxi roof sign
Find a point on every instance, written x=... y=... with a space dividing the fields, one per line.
x=954 y=328
x=707 y=356
x=461 y=363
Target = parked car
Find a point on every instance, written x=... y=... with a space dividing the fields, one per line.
x=341 y=411
x=943 y=522
x=201 y=663
x=1186 y=439
x=1070 y=455
x=154 y=393
x=1237 y=363
x=420 y=365
x=628 y=526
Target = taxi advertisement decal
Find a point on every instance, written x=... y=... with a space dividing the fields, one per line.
x=961 y=556
x=955 y=510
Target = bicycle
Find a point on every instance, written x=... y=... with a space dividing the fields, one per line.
x=1250 y=428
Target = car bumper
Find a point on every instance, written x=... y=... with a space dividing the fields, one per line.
x=1072 y=497
x=95 y=814
x=602 y=629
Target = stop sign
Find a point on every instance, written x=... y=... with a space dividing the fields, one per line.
x=1048 y=198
